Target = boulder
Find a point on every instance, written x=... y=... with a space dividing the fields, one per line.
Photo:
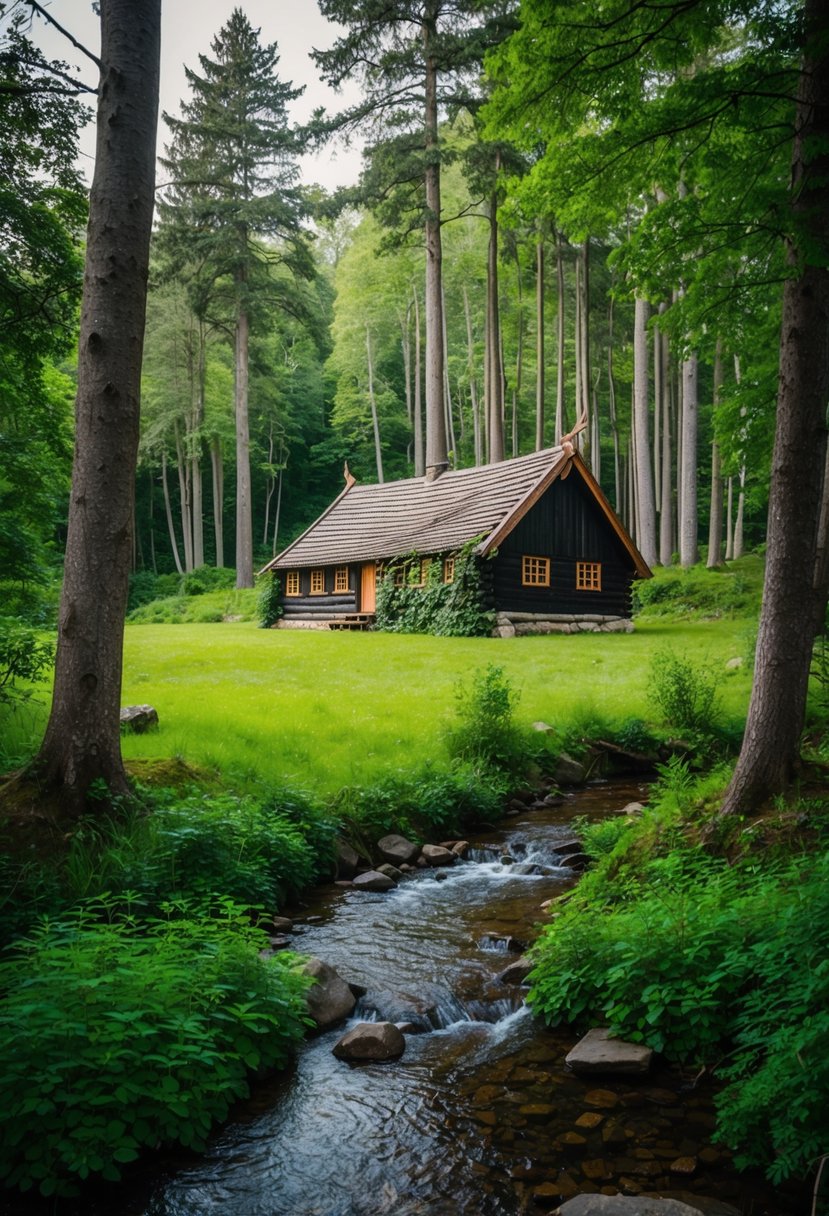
x=346 y=859
x=734 y=664
x=282 y=924
x=330 y=999
x=371 y=1041
x=397 y=849
x=138 y=718
x=701 y=1203
x=390 y=1006
x=624 y=1205
x=631 y=808
x=575 y=861
x=517 y=972
x=390 y=871
x=460 y=848
x=564 y=847
x=373 y=880
x=569 y=771
x=599 y=1055
x=436 y=855
x=544 y=728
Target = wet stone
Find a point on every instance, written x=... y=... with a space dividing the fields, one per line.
x=573 y=1138
x=590 y=1118
x=605 y=1099
x=615 y=1133
x=487 y=1117
x=372 y=880
x=537 y=1112
x=546 y=1194
x=684 y=1165
x=599 y=1054
x=596 y=1169
x=662 y=1097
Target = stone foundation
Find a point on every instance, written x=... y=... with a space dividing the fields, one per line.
x=519 y=624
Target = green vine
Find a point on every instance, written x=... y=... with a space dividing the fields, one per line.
x=456 y=609
x=269 y=605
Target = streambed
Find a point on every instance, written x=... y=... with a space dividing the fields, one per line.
x=480 y=1115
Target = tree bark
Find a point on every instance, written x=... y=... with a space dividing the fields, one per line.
x=195 y=450
x=715 y=521
x=611 y=402
x=539 y=341
x=417 y=404
x=244 y=505
x=473 y=390
x=168 y=510
x=82 y=739
x=218 y=498
x=666 y=517
x=375 y=422
x=794 y=598
x=436 y=453
x=561 y=421
x=495 y=377
x=646 y=512
x=519 y=356
x=688 y=523
x=183 y=469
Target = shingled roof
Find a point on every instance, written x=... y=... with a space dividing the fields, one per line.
x=373 y=522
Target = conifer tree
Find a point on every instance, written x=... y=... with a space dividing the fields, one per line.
x=234 y=211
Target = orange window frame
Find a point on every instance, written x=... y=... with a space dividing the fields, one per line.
x=449 y=570
x=535 y=571
x=341 y=579
x=292 y=582
x=588 y=576
x=317 y=582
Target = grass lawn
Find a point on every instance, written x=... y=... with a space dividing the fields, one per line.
x=330 y=709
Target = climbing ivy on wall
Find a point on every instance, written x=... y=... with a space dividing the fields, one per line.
x=456 y=609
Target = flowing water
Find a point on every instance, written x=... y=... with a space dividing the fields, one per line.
x=479 y=1115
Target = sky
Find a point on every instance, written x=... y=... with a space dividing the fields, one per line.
x=187 y=28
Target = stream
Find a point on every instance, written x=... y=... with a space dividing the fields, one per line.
x=479 y=1115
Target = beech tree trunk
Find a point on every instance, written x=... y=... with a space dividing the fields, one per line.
x=495 y=374
x=218 y=498
x=195 y=449
x=436 y=453
x=183 y=468
x=715 y=521
x=539 y=330
x=375 y=422
x=168 y=510
x=561 y=421
x=244 y=505
x=646 y=512
x=688 y=523
x=795 y=587
x=473 y=389
x=82 y=739
x=417 y=404
x=666 y=517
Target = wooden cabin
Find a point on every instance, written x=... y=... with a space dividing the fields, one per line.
x=557 y=557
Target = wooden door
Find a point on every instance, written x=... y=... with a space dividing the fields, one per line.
x=368 y=587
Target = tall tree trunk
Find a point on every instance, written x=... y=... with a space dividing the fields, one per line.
x=218 y=498
x=688 y=550
x=495 y=377
x=82 y=740
x=519 y=358
x=729 y=520
x=375 y=422
x=666 y=514
x=417 y=404
x=278 y=511
x=244 y=505
x=641 y=433
x=271 y=488
x=168 y=510
x=539 y=344
x=195 y=450
x=447 y=393
x=183 y=468
x=406 y=347
x=473 y=391
x=794 y=596
x=737 y=549
x=584 y=318
x=715 y=519
x=561 y=420
x=436 y=453
x=611 y=401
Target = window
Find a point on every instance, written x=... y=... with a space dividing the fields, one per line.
x=317 y=582
x=418 y=572
x=449 y=570
x=588 y=576
x=292 y=582
x=535 y=571
x=399 y=576
x=341 y=579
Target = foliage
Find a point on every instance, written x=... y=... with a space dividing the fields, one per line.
x=820 y=664
x=709 y=594
x=115 y=1038
x=205 y=608
x=268 y=604
x=684 y=693
x=430 y=802
x=24 y=655
x=456 y=609
x=207 y=578
x=486 y=734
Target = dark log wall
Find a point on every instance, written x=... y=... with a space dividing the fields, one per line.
x=566 y=525
x=328 y=604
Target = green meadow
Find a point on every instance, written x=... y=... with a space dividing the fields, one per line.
x=331 y=709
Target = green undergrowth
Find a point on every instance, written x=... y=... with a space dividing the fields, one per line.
x=731 y=590
x=715 y=954
x=116 y=1037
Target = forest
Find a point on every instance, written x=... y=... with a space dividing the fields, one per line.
x=606 y=229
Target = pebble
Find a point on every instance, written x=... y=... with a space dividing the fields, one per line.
x=590 y=1118
x=602 y=1098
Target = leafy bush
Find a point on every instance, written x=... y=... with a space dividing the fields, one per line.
x=207 y=578
x=114 y=1039
x=23 y=656
x=684 y=693
x=268 y=604
x=699 y=591
x=486 y=733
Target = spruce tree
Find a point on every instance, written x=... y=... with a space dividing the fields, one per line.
x=233 y=210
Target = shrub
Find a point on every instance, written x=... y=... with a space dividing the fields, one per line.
x=23 y=656
x=113 y=1040
x=486 y=733
x=208 y=578
x=684 y=693
x=699 y=591
x=456 y=609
